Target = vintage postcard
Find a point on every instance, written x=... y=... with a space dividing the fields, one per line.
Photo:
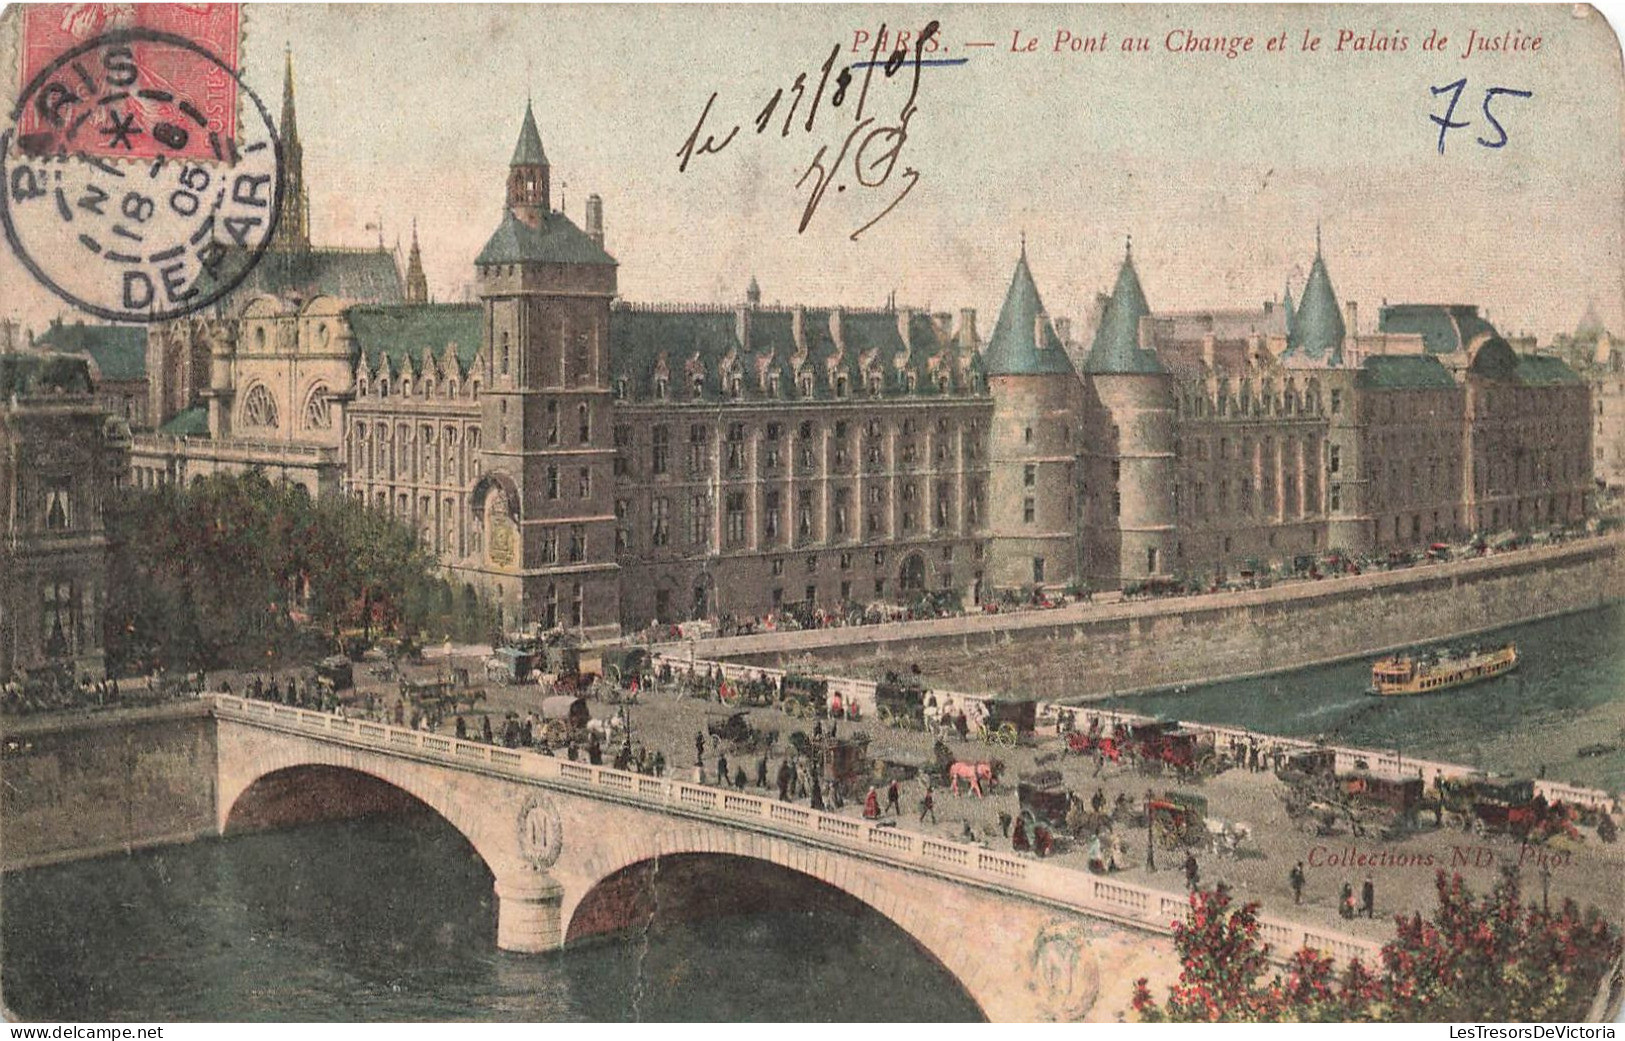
x=862 y=513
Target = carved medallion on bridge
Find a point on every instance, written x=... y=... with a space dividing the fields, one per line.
x=1063 y=973
x=541 y=835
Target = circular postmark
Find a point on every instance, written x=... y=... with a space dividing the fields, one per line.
x=541 y=834
x=122 y=194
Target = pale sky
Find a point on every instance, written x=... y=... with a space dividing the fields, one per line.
x=1219 y=168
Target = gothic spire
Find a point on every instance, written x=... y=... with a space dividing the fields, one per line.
x=417 y=285
x=529 y=191
x=293 y=226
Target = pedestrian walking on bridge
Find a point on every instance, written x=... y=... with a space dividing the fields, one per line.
x=1296 y=878
x=892 y=793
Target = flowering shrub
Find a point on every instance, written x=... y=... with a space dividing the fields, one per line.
x=1488 y=958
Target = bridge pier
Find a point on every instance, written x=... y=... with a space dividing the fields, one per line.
x=529 y=918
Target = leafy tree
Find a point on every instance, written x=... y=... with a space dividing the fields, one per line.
x=1487 y=958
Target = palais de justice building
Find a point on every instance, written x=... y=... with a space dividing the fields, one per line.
x=600 y=464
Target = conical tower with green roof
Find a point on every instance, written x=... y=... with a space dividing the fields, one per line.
x=1316 y=335
x=1032 y=505
x=1116 y=347
x=1128 y=417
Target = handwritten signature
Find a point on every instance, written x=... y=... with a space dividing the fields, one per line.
x=872 y=147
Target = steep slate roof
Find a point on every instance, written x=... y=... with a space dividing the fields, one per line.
x=528 y=150
x=706 y=340
x=402 y=333
x=120 y=351
x=28 y=374
x=1317 y=330
x=1405 y=372
x=1444 y=328
x=362 y=275
x=190 y=422
x=1117 y=340
x=1024 y=342
x=557 y=241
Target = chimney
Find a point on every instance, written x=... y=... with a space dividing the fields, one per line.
x=742 y=326
x=1354 y=315
x=905 y=318
x=798 y=327
x=595 y=219
x=967 y=325
x=1207 y=349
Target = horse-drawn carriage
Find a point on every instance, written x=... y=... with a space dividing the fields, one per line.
x=901 y=702
x=1179 y=820
x=1109 y=744
x=440 y=695
x=1008 y=720
x=1312 y=765
x=510 y=665
x=564 y=717
x=1165 y=743
x=805 y=697
x=1041 y=794
x=735 y=729
x=623 y=669
x=335 y=672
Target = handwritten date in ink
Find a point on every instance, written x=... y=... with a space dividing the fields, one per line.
x=870 y=149
x=1446 y=123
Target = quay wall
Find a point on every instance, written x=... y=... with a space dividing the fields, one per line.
x=1133 y=646
x=80 y=786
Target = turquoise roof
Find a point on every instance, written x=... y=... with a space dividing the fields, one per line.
x=1405 y=372
x=30 y=374
x=191 y=422
x=706 y=341
x=1116 y=348
x=1317 y=329
x=120 y=351
x=1024 y=342
x=402 y=333
x=1444 y=328
x=528 y=150
x=1545 y=370
x=556 y=241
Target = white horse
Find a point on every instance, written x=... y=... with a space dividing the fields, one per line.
x=1225 y=838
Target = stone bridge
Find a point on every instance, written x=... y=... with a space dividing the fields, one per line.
x=566 y=842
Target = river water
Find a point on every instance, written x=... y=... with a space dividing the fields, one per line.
x=382 y=919
x=1568 y=693
x=389 y=919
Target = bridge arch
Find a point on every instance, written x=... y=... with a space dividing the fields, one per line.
x=954 y=925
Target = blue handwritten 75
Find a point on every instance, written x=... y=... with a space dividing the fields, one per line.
x=1447 y=124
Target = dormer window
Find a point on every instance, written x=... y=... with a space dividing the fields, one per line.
x=620 y=389
x=874 y=385
x=909 y=381
x=733 y=387
x=806 y=386
x=840 y=386
x=383 y=388
x=772 y=385
x=662 y=387
x=406 y=387
x=942 y=384
x=699 y=385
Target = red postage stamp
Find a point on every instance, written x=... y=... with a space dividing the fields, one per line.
x=119 y=97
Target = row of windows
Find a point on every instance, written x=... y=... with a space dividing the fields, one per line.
x=775 y=445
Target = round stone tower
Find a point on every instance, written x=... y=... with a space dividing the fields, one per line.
x=1033 y=499
x=1129 y=446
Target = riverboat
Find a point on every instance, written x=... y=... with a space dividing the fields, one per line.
x=1404 y=674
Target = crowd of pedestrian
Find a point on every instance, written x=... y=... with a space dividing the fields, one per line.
x=56 y=692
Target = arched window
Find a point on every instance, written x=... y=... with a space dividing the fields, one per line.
x=505 y=352
x=583 y=423
x=259 y=408
x=318 y=416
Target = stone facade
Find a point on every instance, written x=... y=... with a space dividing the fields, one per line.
x=61 y=456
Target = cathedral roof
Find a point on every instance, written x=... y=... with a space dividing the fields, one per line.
x=119 y=351
x=1317 y=332
x=361 y=275
x=1116 y=348
x=1024 y=342
x=401 y=334
x=681 y=344
x=556 y=241
x=528 y=150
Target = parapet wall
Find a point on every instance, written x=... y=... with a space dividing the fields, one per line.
x=1141 y=645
